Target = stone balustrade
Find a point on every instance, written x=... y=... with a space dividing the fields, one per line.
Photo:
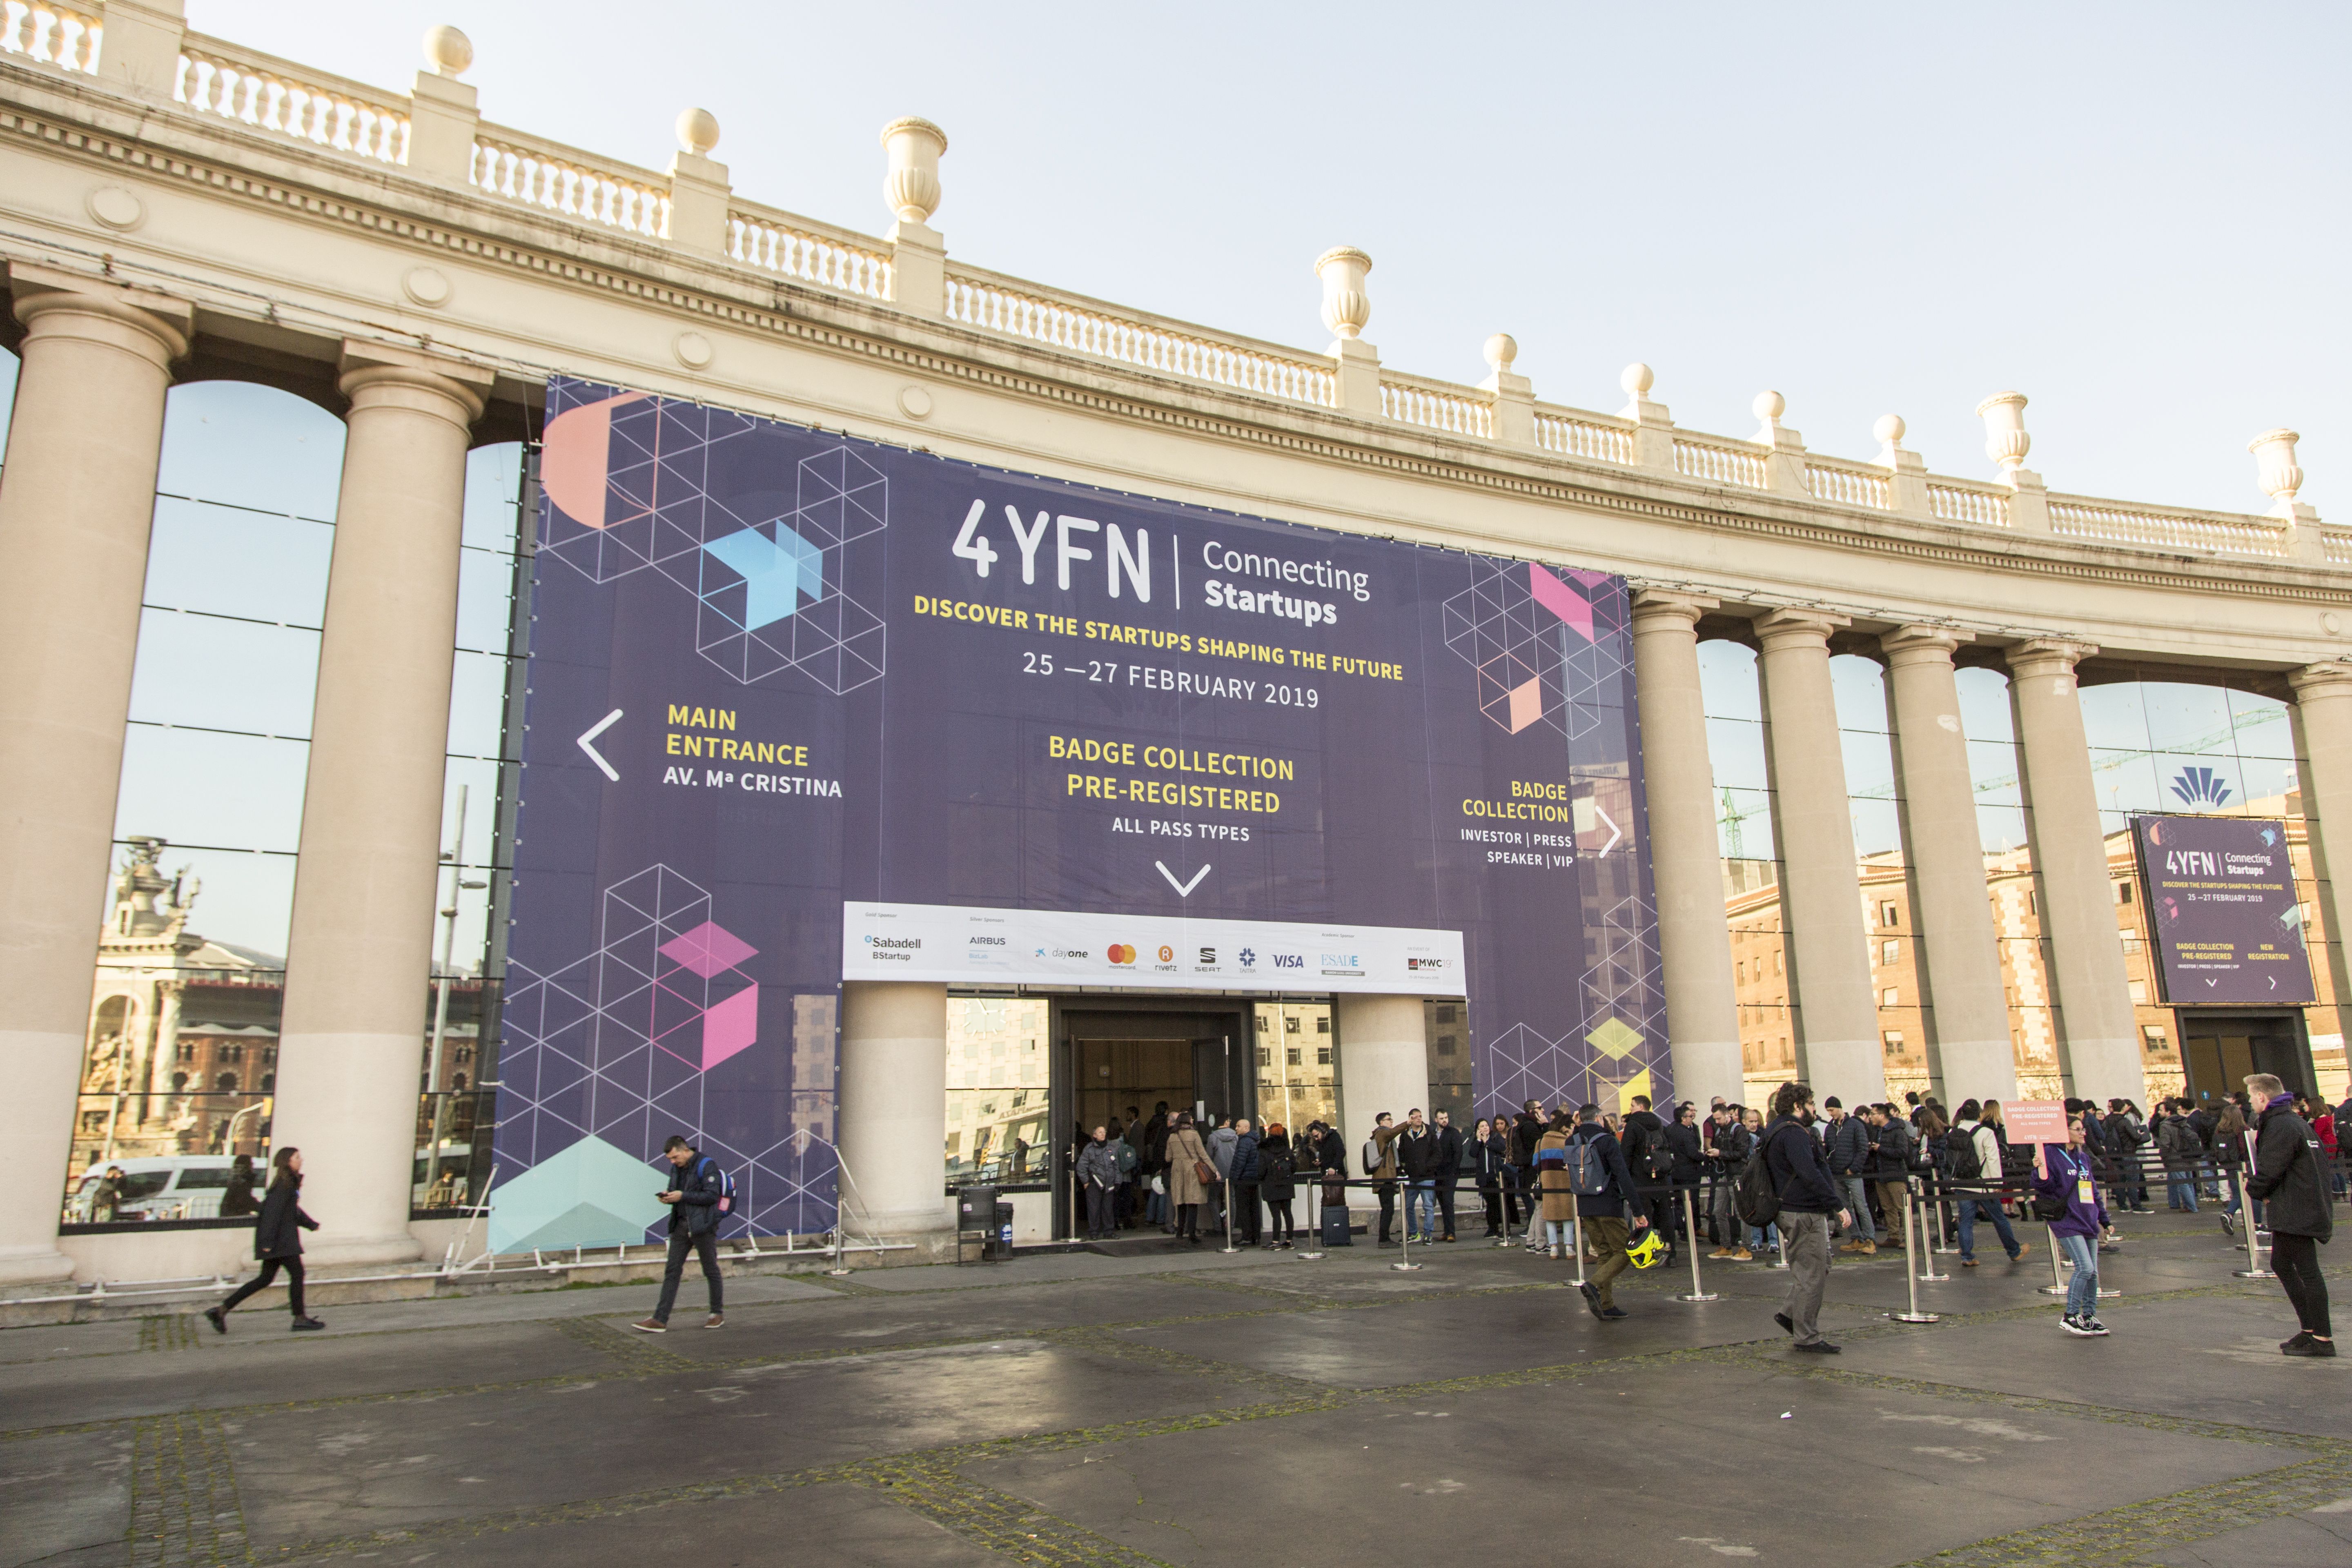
x=50 y=35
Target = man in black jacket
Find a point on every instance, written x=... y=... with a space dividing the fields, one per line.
x=2288 y=1176
x=1846 y=1146
x=693 y=1197
x=1527 y=1132
x=1416 y=1156
x=1446 y=1172
x=1810 y=1199
x=1891 y=1148
x=1729 y=1145
x=1604 y=1215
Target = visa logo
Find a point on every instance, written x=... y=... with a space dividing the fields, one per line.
x=1290 y=961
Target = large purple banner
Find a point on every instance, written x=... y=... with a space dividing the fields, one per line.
x=804 y=709
x=2227 y=925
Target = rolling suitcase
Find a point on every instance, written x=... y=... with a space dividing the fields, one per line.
x=1335 y=1227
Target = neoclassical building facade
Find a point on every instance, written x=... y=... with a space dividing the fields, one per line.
x=181 y=210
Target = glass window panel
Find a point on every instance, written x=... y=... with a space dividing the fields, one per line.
x=2114 y=716
x=2190 y=719
x=1735 y=753
x=223 y=675
x=1858 y=685
x=481 y=779
x=2262 y=726
x=243 y=443
x=485 y=583
x=241 y=903
x=2000 y=828
x=2198 y=782
x=191 y=787
x=230 y=561
x=1876 y=830
x=1984 y=705
x=9 y=363
x=1992 y=769
x=2127 y=781
x=477 y=693
x=1869 y=765
x=1744 y=825
x=1726 y=679
x=2267 y=782
x=493 y=486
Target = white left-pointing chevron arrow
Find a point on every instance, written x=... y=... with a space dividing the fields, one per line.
x=595 y=756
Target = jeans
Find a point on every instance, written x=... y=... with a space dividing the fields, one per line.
x=2295 y=1260
x=293 y=1266
x=1857 y=1198
x=1726 y=1213
x=705 y=1244
x=1558 y=1233
x=1969 y=1208
x=2082 y=1290
x=2180 y=1190
x=1806 y=1238
x=1420 y=1199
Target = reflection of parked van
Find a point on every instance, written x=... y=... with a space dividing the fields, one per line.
x=176 y=1186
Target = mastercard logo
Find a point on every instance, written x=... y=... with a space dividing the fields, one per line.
x=1122 y=954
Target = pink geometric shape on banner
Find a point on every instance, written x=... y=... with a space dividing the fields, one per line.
x=1590 y=579
x=1526 y=705
x=730 y=1026
x=708 y=949
x=1560 y=599
x=575 y=458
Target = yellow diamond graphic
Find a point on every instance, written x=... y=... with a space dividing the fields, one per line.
x=1614 y=1039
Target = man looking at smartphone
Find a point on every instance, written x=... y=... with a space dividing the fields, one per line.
x=693 y=1197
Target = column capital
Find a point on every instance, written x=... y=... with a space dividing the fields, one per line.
x=1654 y=605
x=1919 y=642
x=142 y=320
x=2332 y=679
x=378 y=376
x=1797 y=626
x=2048 y=655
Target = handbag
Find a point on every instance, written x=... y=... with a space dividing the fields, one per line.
x=1204 y=1173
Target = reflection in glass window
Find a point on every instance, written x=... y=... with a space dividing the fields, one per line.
x=996 y=1079
x=1293 y=1090
x=1733 y=699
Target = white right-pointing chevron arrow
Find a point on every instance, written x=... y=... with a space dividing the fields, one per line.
x=1615 y=831
x=595 y=756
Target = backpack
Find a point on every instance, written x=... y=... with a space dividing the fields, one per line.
x=1657 y=1165
x=725 y=1183
x=1754 y=1197
x=1127 y=1158
x=1960 y=1160
x=1371 y=1156
x=1587 y=1172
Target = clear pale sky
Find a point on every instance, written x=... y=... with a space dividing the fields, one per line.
x=2134 y=214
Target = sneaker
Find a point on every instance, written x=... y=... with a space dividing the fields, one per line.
x=716 y=1321
x=1967 y=1263
x=1447 y=1237
x=2095 y=1326
x=2300 y=1336
x=2075 y=1326
x=217 y=1319
x=2228 y=1225
x=2313 y=1347
x=1786 y=1326
x=650 y=1325
x=1741 y=1255
x=2023 y=1248
x=1613 y=1313
x=1719 y=1252
x=303 y=1324
x=1591 y=1294
x=1819 y=1347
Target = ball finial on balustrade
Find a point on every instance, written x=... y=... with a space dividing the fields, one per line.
x=698 y=131
x=447 y=51
x=2006 y=442
x=1347 y=306
x=1768 y=406
x=911 y=188
x=1637 y=379
x=2276 y=467
x=1502 y=348
x=1889 y=431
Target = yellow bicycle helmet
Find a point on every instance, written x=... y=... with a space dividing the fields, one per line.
x=1649 y=1251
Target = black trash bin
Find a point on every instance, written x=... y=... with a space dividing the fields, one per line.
x=976 y=1215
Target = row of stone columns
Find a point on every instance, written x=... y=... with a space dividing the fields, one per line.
x=1960 y=959
x=76 y=501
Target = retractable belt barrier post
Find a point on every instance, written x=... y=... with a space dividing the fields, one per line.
x=1404 y=1263
x=2057 y=1286
x=1911 y=1259
x=2254 y=1268
x=1698 y=1292
x=1918 y=1199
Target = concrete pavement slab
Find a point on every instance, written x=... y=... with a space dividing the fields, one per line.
x=65 y=1498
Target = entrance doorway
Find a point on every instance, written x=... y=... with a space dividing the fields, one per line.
x=1111 y=1054
x=2220 y=1047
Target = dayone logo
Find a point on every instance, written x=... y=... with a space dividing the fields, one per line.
x=1120 y=953
x=2200 y=787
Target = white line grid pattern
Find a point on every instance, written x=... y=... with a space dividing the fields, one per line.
x=1498 y=628
x=664 y=463
x=605 y=1046
x=1623 y=1034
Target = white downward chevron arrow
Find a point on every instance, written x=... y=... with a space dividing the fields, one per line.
x=1183 y=889
x=595 y=756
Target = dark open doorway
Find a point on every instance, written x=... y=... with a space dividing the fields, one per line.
x=1112 y=1053
x=2219 y=1047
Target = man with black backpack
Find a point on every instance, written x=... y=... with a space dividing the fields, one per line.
x=1606 y=1200
x=697 y=1195
x=1972 y=1158
x=1790 y=1183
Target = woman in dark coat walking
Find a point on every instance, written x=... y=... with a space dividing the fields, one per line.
x=1278 y=1186
x=278 y=1242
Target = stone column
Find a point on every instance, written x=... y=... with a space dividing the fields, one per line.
x=893 y=1106
x=1960 y=955
x=2099 y=1039
x=1383 y=1063
x=1685 y=863
x=1820 y=897
x=75 y=507
x=2323 y=712
x=359 y=954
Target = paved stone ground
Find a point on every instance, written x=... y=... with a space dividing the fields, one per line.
x=1194 y=1408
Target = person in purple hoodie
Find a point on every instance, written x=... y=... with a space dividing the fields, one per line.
x=2066 y=1177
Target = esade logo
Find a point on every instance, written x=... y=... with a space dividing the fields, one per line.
x=1342 y=960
